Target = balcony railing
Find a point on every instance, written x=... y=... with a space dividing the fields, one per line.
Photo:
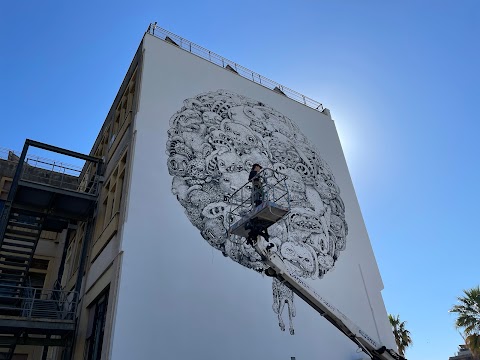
x=216 y=59
x=35 y=303
x=55 y=173
x=58 y=174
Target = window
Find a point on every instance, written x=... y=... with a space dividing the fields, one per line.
x=37 y=275
x=68 y=257
x=96 y=327
x=111 y=196
x=122 y=114
x=39 y=264
x=74 y=251
x=5 y=184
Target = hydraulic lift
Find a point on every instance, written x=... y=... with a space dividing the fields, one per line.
x=250 y=221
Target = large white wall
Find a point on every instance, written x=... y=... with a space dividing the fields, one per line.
x=179 y=298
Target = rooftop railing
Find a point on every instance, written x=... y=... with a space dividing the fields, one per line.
x=216 y=59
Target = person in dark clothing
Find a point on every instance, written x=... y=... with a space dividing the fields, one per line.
x=256 y=168
x=255 y=225
x=257 y=190
x=256 y=228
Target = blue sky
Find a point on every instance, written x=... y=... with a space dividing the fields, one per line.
x=400 y=78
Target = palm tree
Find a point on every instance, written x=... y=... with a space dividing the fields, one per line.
x=401 y=334
x=468 y=318
x=473 y=343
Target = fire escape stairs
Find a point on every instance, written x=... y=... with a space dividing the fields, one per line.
x=18 y=247
x=21 y=237
x=28 y=315
x=8 y=344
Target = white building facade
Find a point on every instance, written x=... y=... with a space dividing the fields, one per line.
x=186 y=290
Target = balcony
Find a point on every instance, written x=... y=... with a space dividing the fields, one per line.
x=32 y=316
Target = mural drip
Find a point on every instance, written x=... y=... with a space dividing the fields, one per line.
x=213 y=141
x=281 y=296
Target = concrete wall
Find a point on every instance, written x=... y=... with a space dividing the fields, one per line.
x=185 y=289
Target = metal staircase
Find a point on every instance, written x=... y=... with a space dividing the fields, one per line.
x=44 y=196
x=8 y=344
x=18 y=247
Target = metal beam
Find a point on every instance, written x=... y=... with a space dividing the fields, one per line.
x=54 y=327
x=58 y=215
x=55 y=189
x=11 y=194
x=59 y=150
x=28 y=340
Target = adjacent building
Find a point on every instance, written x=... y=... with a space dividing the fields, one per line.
x=128 y=256
x=463 y=354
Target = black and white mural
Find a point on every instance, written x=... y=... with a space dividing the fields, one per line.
x=213 y=141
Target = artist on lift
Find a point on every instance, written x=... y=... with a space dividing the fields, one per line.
x=254 y=225
x=257 y=189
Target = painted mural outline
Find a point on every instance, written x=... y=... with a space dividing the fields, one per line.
x=213 y=141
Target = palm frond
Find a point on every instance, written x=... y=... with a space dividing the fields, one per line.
x=468 y=318
x=401 y=334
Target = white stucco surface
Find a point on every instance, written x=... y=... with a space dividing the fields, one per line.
x=179 y=298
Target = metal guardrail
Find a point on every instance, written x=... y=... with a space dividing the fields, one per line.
x=35 y=303
x=58 y=174
x=216 y=59
x=274 y=189
x=54 y=173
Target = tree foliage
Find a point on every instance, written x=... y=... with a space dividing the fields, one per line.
x=468 y=318
x=401 y=334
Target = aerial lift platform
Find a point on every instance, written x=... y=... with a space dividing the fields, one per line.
x=249 y=220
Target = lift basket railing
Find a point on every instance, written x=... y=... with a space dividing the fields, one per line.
x=274 y=192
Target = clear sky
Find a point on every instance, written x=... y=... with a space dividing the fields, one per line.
x=401 y=79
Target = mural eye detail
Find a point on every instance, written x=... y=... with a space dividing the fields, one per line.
x=213 y=141
x=302 y=169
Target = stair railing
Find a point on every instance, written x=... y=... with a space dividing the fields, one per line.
x=28 y=298
x=38 y=303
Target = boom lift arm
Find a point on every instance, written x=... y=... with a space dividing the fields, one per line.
x=278 y=269
x=252 y=221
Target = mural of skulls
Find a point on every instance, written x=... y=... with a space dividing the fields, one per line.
x=212 y=143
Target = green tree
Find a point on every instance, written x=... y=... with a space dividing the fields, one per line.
x=401 y=334
x=468 y=318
